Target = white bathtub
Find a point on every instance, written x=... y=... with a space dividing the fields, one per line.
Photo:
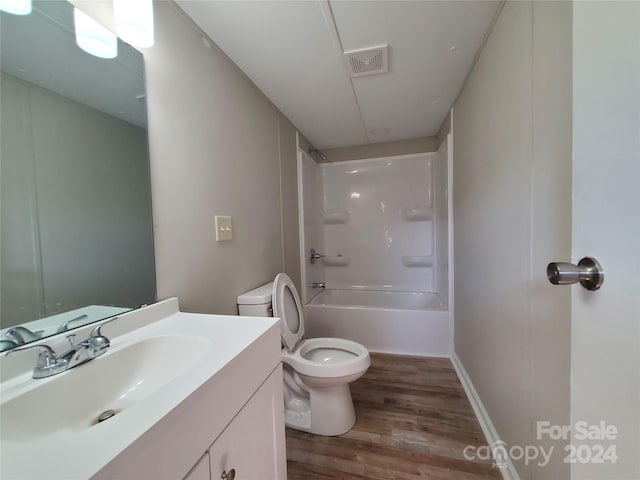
x=409 y=323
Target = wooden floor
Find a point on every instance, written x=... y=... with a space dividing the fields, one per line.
x=413 y=421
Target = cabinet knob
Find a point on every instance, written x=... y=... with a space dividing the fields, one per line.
x=228 y=476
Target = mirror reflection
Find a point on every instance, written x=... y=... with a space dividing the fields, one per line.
x=76 y=238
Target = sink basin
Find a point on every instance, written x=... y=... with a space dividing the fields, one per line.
x=72 y=401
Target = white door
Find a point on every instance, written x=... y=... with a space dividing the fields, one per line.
x=605 y=358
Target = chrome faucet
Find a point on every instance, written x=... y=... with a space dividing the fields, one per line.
x=7 y=345
x=22 y=335
x=318 y=285
x=65 y=326
x=49 y=363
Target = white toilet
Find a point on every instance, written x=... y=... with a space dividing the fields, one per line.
x=317 y=371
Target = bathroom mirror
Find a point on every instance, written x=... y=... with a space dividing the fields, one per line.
x=76 y=234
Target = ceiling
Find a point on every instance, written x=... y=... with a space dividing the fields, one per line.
x=293 y=52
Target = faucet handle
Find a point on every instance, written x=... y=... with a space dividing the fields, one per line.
x=99 y=343
x=45 y=350
x=22 y=335
x=65 y=326
x=96 y=331
x=48 y=362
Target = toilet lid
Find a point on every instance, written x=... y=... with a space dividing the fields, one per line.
x=286 y=305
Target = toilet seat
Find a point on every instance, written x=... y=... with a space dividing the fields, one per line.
x=286 y=305
x=302 y=359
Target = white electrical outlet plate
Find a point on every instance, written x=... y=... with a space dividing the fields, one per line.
x=223 y=228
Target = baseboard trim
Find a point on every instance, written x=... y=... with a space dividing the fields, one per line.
x=489 y=430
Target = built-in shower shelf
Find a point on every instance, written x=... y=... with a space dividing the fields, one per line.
x=416 y=214
x=333 y=218
x=336 y=261
x=417 y=260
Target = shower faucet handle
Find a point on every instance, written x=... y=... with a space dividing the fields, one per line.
x=313 y=256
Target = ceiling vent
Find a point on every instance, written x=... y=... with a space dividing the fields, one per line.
x=367 y=61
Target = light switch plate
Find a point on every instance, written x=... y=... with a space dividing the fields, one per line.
x=224 y=230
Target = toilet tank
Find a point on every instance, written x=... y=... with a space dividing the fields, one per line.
x=257 y=302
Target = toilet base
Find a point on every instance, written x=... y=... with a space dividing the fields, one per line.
x=298 y=420
x=327 y=411
x=297 y=413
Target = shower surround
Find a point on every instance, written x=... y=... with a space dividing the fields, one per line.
x=383 y=227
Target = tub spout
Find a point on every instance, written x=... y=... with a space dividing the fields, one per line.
x=318 y=285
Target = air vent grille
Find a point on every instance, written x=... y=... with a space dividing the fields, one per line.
x=368 y=61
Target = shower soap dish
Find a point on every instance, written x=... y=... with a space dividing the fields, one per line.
x=417 y=260
x=332 y=218
x=416 y=214
x=337 y=261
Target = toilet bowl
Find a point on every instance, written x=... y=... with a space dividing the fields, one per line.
x=317 y=371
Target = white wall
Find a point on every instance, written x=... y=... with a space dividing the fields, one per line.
x=21 y=279
x=214 y=150
x=215 y=147
x=78 y=180
x=512 y=215
x=605 y=353
x=310 y=205
x=442 y=221
x=289 y=200
x=379 y=215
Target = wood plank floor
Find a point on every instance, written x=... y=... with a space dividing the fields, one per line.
x=413 y=421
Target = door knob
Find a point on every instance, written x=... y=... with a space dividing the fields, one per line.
x=588 y=272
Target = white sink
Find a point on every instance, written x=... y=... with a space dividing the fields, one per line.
x=73 y=400
x=48 y=426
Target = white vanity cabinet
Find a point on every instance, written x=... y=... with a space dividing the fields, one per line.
x=234 y=420
x=201 y=471
x=247 y=444
x=195 y=395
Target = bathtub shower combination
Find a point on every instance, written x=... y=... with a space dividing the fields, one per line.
x=382 y=229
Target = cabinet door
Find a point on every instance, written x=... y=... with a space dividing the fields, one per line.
x=219 y=455
x=253 y=445
x=201 y=469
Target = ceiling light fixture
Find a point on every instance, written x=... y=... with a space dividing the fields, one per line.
x=17 y=7
x=134 y=22
x=92 y=37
